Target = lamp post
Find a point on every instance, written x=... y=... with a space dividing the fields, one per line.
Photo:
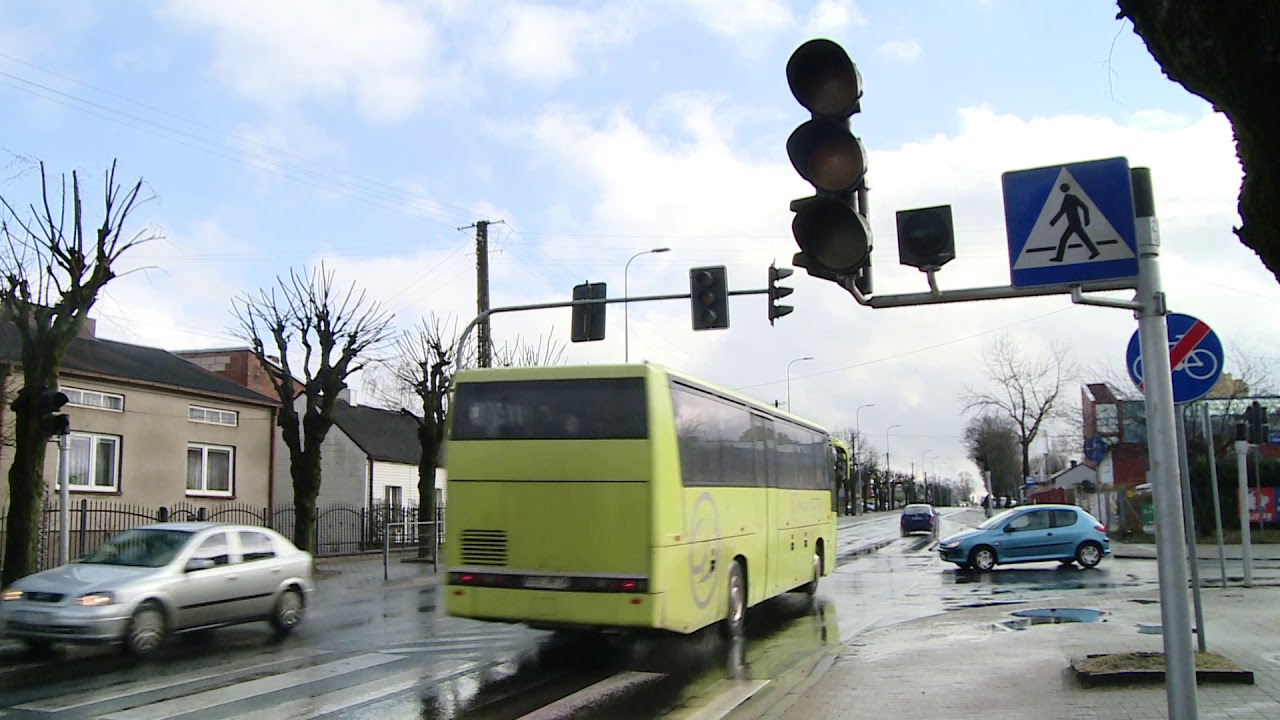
x=626 y=307
x=793 y=362
x=857 y=490
x=887 y=477
x=924 y=475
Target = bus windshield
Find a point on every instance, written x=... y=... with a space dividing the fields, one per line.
x=586 y=409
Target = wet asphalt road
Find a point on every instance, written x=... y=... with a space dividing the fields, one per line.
x=393 y=654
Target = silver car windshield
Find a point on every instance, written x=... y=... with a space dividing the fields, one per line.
x=140 y=547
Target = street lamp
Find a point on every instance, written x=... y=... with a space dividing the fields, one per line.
x=626 y=307
x=888 y=478
x=793 y=362
x=857 y=490
x=924 y=474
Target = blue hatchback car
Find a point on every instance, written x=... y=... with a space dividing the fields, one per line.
x=1031 y=533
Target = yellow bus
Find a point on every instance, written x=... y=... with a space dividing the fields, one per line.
x=628 y=497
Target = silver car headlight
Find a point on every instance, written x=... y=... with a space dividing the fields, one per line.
x=10 y=594
x=95 y=599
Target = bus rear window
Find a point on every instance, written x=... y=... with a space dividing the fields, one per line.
x=603 y=409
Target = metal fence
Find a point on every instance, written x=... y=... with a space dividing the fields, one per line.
x=340 y=529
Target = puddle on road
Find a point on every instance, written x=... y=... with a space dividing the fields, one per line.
x=1053 y=616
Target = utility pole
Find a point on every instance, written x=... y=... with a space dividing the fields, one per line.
x=484 y=341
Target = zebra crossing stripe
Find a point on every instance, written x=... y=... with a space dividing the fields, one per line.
x=92 y=697
x=253 y=688
x=350 y=697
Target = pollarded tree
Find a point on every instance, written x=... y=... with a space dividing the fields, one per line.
x=54 y=269
x=331 y=335
x=1229 y=54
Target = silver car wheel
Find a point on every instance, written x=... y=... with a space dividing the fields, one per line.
x=146 y=631
x=288 y=611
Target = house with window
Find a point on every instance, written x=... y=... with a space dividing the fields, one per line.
x=148 y=427
x=369 y=457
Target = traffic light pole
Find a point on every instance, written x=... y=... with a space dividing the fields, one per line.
x=483 y=316
x=64 y=499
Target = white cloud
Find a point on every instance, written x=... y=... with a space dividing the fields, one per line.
x=542 y=43
x=380 y=55
x=739 y=18
x=834 y=17
x=906 y=51
x=698 y=186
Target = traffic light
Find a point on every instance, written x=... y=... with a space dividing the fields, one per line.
x=709 y=297
x=51 y=422
x=926 y=237
x=776 y=293
x=588 y=320
x=1256 y=416
x=831 y=226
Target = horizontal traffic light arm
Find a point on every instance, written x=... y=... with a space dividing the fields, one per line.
x=466 y=332
x=942 y=297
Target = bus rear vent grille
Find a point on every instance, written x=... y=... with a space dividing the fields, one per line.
x=484 y=547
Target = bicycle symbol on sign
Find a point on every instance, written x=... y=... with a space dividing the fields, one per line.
x=1199 y=364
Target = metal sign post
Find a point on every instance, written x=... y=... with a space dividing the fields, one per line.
x=1242 y=476
x=1189 y=526
x=1171 y=550
x=1213 y=483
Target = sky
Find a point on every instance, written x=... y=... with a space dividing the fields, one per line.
x=372 y=136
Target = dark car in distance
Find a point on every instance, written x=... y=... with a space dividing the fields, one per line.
x=919 y=517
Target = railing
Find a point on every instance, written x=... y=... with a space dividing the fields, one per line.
x=340 y=529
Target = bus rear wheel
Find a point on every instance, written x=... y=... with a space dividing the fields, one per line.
x=812 y=587
x=736 y=618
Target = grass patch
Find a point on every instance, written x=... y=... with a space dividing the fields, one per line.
x=1137 y=661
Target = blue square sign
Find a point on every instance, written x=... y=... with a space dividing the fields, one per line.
x=1070 y=223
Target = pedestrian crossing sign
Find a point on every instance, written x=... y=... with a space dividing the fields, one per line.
x=1070 y=223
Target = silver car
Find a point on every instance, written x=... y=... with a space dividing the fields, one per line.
x=148 y=582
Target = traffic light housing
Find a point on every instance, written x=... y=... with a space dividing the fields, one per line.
x=53 y=423
x=830 y=227
x=709 y=297
x=926 y=237
x=1256 y=416
x=588 y=320
x=777 y=292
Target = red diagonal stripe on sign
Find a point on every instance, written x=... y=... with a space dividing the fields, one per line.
x=1189 y=341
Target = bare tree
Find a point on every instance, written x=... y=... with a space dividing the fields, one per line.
x=53 y=275
x=1028 y=389
x=337 y=335
x=420 y=374
x=1228 y=54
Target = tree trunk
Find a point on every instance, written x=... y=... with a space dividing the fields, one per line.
x=306 y=488
x=26 y=499
x=1229 y=54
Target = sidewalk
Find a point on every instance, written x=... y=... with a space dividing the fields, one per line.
x=986 y=663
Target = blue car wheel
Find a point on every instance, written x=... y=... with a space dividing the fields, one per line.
x=1089 y=554
x=982 y=558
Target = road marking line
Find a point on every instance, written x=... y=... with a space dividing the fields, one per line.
x=253 y=688
x=90 y=697
x=349 y=697
x=609 y=686
x=737 y=692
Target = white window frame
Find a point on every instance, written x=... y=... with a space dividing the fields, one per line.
x=203 y=490
x=213 y=416
x=95 y=399
x=92 y=487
